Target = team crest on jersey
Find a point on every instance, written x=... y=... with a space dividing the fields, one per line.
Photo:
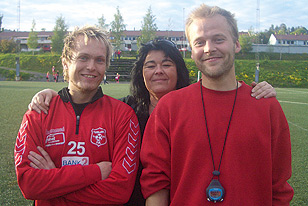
x=98 y=136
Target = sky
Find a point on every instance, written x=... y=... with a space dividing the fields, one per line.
x=169 y=14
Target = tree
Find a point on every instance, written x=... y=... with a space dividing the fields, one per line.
x=102 y=23
x=59 y=33
x=8 y=46
x=264 y=37
x=32 y=39
x=246 y=44
x=148 y=28
x=117 y=28
x=300 y=30
x=283 y=29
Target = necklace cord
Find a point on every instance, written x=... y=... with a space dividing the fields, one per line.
x=222 y=152
x=208 y=134
x=207 y=130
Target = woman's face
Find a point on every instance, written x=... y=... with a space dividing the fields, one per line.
x=159 y=73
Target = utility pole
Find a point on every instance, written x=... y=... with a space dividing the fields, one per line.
x=1 y=17
x=18 y=46
x=183 y=34
x=257 y=42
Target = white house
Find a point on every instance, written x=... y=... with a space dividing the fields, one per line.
x=284 y=44
x=288 y=39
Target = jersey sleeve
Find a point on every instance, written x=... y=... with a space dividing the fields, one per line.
x=281 y=157
x=117 y=188
x=41 y=183
x=155 y=153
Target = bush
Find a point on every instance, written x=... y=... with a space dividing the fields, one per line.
x=277 y=73
x=271 y=56
x=10 y=75
x=39 y=63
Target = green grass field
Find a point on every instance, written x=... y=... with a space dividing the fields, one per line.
x=15 y=96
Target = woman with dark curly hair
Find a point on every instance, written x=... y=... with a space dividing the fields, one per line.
x=160 y=68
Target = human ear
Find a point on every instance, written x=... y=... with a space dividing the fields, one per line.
x=237 y=46
x=64 y=64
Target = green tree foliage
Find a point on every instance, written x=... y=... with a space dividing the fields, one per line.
x=246 y=43
x=300 y=31
x=8 y=46
x=117 y=28
x=283 y=29
x=32 y=40
x=59 y=33
x=148 y=28
x=102 y=23
x=263 y=37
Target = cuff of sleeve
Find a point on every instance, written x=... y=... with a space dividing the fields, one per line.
x=92 y=173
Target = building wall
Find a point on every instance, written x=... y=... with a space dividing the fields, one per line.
x=272 y=40
x=289 y=49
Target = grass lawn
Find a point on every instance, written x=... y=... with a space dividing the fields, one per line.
x=15 y=96
x=295 y=106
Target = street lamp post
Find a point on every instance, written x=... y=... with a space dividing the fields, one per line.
x=183 y=33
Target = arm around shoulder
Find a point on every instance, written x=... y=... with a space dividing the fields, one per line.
x=160 y=198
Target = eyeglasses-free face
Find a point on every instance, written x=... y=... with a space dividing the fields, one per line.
x=159 y=73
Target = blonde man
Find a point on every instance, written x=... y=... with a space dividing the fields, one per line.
x=85 y=150
x=217 y=144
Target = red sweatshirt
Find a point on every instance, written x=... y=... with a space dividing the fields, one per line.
x=108 y=130
x=256 y=162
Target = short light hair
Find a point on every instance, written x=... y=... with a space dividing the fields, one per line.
x=205 y=11
x=70 y=43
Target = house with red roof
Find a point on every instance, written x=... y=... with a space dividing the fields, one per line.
x=288 y=39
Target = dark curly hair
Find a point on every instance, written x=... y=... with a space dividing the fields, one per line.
x=137 y=87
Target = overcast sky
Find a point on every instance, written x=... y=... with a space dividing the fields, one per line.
x=169 y=13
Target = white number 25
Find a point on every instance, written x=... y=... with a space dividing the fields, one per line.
x=77 y=148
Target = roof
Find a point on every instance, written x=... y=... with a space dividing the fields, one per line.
x=291 y=37
x=11 y=34
x=14 y=34
x=158 y=33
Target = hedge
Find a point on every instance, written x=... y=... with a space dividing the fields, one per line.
x=279 y=73
x=10 y=75
x=37 y=63
x=283 y=73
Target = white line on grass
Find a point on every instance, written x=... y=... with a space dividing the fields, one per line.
x=298 y=126
x=282 y=90
x=293 y=102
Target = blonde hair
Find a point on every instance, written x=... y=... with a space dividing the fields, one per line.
x=204 y=11
x=88 y=32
